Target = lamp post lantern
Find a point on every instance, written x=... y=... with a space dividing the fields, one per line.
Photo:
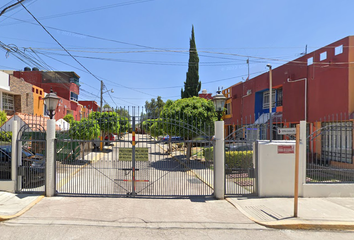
x=51 y=100
x=219 y=102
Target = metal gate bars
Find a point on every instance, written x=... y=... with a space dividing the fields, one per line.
x=137 y=160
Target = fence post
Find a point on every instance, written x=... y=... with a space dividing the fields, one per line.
x=50 y=163
x=302 y=157
x=219 y=161
x=14 y=163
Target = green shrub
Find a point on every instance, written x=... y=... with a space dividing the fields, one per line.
x=233 y=159
x=208 y=153
x=5 y=136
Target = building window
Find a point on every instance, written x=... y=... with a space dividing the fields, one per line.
x=74 y=97
x=228 y=109
x=37 y=91
x=338 y=50
x=266 y=99
x=280 y=97
x=7 y=101
x=310 y=61
x=323 y=56
x=32 y=89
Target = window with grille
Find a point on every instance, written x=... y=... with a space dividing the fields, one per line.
x=280 y=97
x=228 y=109
x=266 y=99
x=7 y=101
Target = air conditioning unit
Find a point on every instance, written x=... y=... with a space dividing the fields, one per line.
x=249 y=92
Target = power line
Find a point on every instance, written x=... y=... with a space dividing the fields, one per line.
x=11 y=6
x=92 y=9
x=59 y=43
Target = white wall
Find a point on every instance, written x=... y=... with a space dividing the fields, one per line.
x=328 y=190
x=4 y=81
x=7 y=185
x=276 y=171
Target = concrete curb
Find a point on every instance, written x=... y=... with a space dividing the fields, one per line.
x=38 y=199
x=28 y=207
x=296 y=223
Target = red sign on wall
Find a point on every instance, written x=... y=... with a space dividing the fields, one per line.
x=286 y=149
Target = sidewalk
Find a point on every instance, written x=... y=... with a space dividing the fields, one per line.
x=13 y=205
x=313 y=213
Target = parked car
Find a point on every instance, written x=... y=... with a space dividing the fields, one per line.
x=173 y=138
x=32 y=169
x=107 y=141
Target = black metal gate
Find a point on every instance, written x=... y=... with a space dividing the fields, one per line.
x=31 y=154
x=240 y=167
x=138 y=159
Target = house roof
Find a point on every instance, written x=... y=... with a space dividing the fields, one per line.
x=35 y=122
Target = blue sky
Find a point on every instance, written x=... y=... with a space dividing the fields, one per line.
x=139 y=48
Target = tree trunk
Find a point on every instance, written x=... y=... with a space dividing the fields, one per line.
x=189 y=151
x=169 y=146
x=82 y=147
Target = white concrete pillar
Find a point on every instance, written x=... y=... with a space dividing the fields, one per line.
x=50 y=159
x=302 y=157
x=14 y=165
x=219 y=161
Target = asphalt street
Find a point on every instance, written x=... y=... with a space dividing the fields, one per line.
x=145 y=218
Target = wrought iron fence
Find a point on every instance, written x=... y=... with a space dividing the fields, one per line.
x=169 y=153
x=330 y=150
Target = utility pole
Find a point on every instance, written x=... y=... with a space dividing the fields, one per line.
x=248 y=68
x=101 y=95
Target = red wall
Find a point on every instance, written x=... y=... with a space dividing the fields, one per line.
x=92 y=105
x=62 y=90
x=327 y=91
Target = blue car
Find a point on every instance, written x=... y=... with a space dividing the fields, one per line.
x=173 y=138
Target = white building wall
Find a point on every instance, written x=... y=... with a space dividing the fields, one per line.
x=276 y=171
x=4 y=81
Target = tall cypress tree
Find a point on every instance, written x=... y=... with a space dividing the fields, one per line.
x=192 y=84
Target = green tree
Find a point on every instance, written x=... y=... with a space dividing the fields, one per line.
x=3 y=117
x=192 y=85
x=69 y=118
x=189 y=118
x=108 y=121
x=154 y=107
x=86 y=129
x=154 y=127
x=106 y=106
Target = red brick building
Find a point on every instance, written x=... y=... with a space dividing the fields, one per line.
x=65 y=84
x=310 y=88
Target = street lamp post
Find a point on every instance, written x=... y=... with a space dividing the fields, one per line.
x=51 y=101
x=270 y=102
x=219 y=147
x=219 y=102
